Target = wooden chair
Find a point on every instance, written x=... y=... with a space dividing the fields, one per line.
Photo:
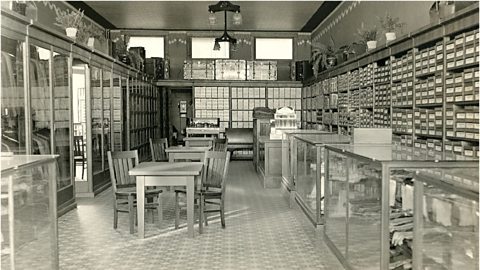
x=157 y=148
x=220 y=144
x=212 y=187
x=78 y=154
x=124 y=187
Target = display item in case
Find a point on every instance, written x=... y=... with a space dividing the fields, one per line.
x=396 y=203
x=284 y=119
x=29 y=212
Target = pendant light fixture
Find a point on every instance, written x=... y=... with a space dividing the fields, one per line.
x=237 y=20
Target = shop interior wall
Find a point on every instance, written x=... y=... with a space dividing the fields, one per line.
x=342 y=25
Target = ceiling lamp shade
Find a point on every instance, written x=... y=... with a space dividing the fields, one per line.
x=212 y=18
x=237 y=19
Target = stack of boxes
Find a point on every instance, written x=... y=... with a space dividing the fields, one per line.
x=382 y=74
x=402 y=93
x=402 y=68
x=463 y=86
x=212 y=102
x=462 y=123
x=366 y=97
x=429 y=91
x=381 y=118
x=429 y=60
x=382 y=95
x=366 y=75
x=463 y=50
x=428 y=122
x=402 y=120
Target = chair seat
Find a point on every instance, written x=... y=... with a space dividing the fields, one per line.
x=204 y=192
x=127 y=191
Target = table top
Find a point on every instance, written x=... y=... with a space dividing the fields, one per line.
x=198 y=138
x=167 y=168
x=184 y=149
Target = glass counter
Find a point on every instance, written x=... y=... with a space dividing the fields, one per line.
x=308 y=177
x=391 y=207
x=29 y=212
x=289 y=156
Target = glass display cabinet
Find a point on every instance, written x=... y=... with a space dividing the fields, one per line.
x=289 y=157
x=390 y=207
x=29 y=212
x=269 y=164
x=308 y=177
x=261 y=127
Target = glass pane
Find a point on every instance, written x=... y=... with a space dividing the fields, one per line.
x=97 y=120
x=203 y=48
x=62 y=105
x=13 y=103
x=335 y=209
x=40 y=99
x=79 y=121
x=124 y=101
x=273 y=48
x=33 y=241
x=117 y=113
x=449 y=229
x=364 y=218
x=107 y=136
x=153 y=45
x=305 y=181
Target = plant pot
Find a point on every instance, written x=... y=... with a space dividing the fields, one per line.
x=391 y=36
x=91 y=42
x=372 y=44
x=331 y=61
x=71 y=32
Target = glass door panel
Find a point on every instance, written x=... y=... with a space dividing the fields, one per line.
x=107 y=135
x=62 y=105
x=13 y=103
x=117 y=113
x=40 y=99
x=97 y=119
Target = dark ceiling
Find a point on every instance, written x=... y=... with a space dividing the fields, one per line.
x=296 y=16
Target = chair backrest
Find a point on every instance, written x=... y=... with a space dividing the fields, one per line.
x=215 y=169
x=119 y=163
x=157 y=148
x=220 y=144
x=78 y=146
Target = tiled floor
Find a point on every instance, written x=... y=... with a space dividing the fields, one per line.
x=261 y=233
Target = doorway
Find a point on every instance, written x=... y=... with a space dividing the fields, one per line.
x=178 y=120
x=79 y=108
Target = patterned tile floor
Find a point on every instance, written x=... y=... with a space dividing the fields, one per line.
x=261 y=233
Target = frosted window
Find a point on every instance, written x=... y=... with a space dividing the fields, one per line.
x=154 y=46
x=274 y=48
x=203 y=48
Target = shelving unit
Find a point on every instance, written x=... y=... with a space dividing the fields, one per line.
x=424 y=86
x=144 y=107
x=212 y=102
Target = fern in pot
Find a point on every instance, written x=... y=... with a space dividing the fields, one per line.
x=390 y=25
x=69 y=20
x=94 y=34
x=368 y=36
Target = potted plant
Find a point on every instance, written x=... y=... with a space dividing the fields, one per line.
x=69 y=20
x=120 y=45
x=93 y=33
x=368 y=36
x=390 y=25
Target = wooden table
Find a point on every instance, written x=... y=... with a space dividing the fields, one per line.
x=188 y=153
x=198 y=141
x=166 y=174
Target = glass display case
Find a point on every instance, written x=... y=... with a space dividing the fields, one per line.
x=391 y=207
x=261 y=127
x=269 y=164
x=289 y=157
x=29 y=212
x=308 y=177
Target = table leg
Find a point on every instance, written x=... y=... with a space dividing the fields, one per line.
x=190 y=206
x=171 y=157
x=141 y=206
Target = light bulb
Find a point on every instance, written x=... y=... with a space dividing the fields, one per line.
x=216 y=47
